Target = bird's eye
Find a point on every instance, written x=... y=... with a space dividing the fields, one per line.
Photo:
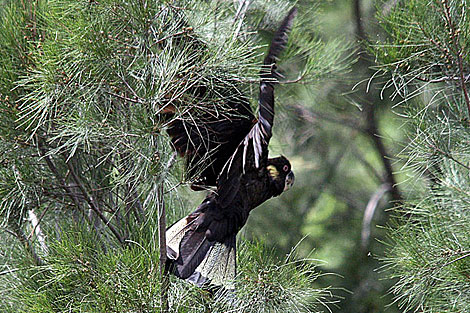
x=285 y=168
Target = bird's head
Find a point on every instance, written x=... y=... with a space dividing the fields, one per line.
x=279 y=170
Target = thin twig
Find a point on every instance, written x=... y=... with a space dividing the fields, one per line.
x=450 y=157
x=381 y=149
x=20 y=235
x=466 y=255
x=62 y=183
x=184 y=31
x=357 y=154
x=442 y=79
x=310 y=116
x=123 y=98
x=9 y=232
x=241 y=12
x=388 y=6
x=292 y=81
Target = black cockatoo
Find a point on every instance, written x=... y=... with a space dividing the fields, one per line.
x=201 y=246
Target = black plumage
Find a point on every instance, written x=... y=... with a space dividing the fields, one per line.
x=234 y=153
x=208 y=141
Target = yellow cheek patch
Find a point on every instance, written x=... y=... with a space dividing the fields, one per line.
x=273 y=172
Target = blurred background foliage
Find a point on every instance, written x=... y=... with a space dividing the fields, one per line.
x=343 y=138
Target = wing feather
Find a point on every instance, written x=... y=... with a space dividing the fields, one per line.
x=207 y=138
x=252 y=152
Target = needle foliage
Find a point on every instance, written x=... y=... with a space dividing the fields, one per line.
x=87 y=89
x=426 y=57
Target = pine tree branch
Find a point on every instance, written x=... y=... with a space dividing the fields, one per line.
x=371 y=118
x=93 y=205
x=165 y=279
x=360 y=33
x=447 y=155
x=68 y=190
x=384 y=156
x=36 y=229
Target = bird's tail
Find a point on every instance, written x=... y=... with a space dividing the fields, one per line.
x=194 y=258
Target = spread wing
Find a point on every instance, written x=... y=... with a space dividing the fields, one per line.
x=252 y=152
x=208 y=137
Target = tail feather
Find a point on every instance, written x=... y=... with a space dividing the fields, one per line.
x=186 y=246
x=174 y=235
x=219 y=266
x=193 y=249
x=199 y=260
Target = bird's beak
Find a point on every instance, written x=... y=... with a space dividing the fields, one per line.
x=290 y=178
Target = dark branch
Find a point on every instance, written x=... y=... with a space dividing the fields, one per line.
x=165 y=282
x=370 y=114
x=360 y=33
x=458 y=50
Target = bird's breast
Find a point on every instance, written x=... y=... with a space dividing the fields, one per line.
x=255 y=191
